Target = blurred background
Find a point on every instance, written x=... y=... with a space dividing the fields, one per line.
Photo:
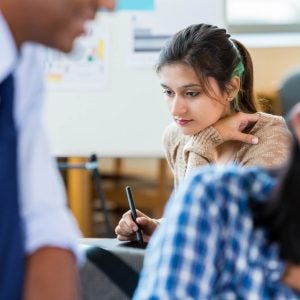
x=111 y=104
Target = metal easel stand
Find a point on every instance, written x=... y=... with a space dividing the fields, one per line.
x=92 y=166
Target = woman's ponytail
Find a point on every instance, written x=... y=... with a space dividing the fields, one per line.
x=245 y=101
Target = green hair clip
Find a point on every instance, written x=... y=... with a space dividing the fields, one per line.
x=239 y=70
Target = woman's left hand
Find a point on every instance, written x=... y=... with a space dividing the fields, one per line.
x=231 y=127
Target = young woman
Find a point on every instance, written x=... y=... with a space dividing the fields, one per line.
x=229 y=233
x=207 y=79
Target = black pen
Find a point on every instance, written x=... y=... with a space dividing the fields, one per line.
x=138 y=233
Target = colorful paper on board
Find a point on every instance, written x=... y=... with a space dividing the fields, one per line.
x=135 y=5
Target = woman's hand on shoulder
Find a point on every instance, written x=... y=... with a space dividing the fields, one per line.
x=126 y=228
x=231 y=128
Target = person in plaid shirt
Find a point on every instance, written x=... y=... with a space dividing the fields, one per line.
x=229 y=233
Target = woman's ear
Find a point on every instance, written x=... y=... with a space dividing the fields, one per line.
x=233 y=87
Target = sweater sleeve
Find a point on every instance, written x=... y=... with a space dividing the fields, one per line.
x=200 y=148
x=185 y=153
x=171 y=142
x=274 y=143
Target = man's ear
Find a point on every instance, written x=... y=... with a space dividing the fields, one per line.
x=233 y=87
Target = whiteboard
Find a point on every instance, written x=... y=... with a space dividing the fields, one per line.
x=127 y=115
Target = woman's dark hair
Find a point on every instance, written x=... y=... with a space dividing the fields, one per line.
x=211 y=52
x=280 y=215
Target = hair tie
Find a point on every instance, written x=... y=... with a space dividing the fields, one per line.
x=238 y=70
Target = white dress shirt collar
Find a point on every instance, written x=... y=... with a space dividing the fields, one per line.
x=9 y=53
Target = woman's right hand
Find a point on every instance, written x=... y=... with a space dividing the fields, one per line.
x=126 y=228
x=231 y=127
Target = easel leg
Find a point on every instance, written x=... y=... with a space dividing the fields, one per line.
x=79 y=194
x=162 y=190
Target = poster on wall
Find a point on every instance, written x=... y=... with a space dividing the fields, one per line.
x=86 y=67
x=151 y=29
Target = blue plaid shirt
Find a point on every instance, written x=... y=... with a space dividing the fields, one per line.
x=207 y=246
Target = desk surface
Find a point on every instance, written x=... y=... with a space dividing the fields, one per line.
x=112 y=245
x=133 y=257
